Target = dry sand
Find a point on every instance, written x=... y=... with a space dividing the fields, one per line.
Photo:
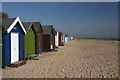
x=86 y=58
x=0 y=74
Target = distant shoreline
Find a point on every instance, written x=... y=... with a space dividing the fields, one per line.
x=99 y=38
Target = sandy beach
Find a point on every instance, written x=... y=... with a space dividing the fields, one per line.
x=79 y=58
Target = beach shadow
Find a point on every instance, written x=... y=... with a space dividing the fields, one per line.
x=54 y=50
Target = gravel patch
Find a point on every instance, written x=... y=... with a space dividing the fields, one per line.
x=79 y=58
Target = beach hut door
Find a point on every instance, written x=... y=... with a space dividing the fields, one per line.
x=14 y=47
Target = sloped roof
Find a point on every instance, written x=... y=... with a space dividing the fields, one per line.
x=38 y=27
x=47 y=29
x=7 y=22
x=66 y=35
x=36 y=24
x=60 y=33
x=27 y=25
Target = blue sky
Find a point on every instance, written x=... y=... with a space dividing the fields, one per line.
x=79 y=19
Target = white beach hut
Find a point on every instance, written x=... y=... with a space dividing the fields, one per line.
x=63 y=38
x=66 y=38
x=56 y=38
x=71 y=38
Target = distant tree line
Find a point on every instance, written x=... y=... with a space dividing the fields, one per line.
x=3 y=15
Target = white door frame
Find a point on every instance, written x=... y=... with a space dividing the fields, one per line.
x=14 y=47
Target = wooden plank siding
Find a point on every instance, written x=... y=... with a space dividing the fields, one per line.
x=29 y=40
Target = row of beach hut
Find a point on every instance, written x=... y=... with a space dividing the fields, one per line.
x=19 y=40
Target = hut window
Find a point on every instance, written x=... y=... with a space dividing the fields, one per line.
x=14 y=28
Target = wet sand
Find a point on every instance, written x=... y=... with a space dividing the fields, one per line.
x=79 y=58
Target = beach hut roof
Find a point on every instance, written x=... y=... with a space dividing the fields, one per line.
x=66 y=35
x=60 y=33
x=27 y=25
x=9 y=23
x=37 y=24
x=47 y=29
x=55 y=32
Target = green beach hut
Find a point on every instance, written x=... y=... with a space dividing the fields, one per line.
x=29 y=44
x=0 y=46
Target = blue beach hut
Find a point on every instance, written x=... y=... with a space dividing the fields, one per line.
x=69 y=37
x=0 y=45
x=64 y=38
x=12 y=36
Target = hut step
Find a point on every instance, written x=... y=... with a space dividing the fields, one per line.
x=32 y=56
x=54 y=50
x=37 y=58
x=17 y=64
x=61 y=45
